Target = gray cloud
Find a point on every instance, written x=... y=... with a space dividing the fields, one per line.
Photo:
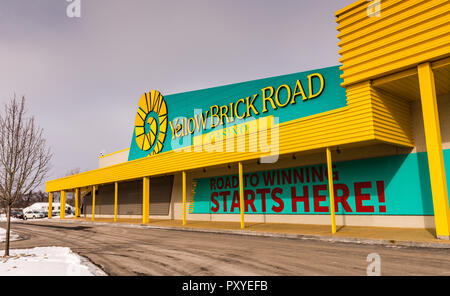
x=83 y=77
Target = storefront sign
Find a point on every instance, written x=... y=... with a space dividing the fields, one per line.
x=395 y=185
x=167 y=122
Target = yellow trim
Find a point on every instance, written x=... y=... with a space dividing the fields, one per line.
x=184 y=197
x=93 y=203
x=241 y=194
x=86 y=192
x=77 y=202
x=350 y=7
x=112 y=153
x=370 y=115
x=145 y=199
x=50 y=204
x=440 y=63
x=62 y=205
x=434 y=150
x=116 y=193
x=394 y=77
x=405 y=34
x=331 y=190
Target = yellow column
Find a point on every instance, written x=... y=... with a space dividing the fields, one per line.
x=62 y=205
x=116 y=192
x=77 y=202
x=434 y=151
x=93 y=203
x=145 y=200
x=50 y=204
x=241 y=194
x=331 y=189
x=184 y=198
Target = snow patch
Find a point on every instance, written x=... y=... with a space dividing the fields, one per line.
x=3 y=218
x=46 y=261
x=12 y=236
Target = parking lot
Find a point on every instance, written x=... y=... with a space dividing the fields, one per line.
x=131 y=250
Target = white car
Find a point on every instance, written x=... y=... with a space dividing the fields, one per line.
x=33 y=215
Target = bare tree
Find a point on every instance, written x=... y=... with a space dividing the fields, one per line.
x=30 y=198
x=73 y=171
x=24 y=156
x=70 y=195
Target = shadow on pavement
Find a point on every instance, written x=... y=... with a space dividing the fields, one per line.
x=66 y=227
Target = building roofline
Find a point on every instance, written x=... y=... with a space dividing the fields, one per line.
x=349 y=7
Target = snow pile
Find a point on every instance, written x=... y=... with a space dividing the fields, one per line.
x=3 y=218
x=46 y=261
x=58 y=217
x=12 y=235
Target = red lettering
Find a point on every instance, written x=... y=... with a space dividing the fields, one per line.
x=213 y=184
x=249 y=201
x=269 y=178
x=342 y=199
x=318 y=198
x=278 y=200
x=299 y=175
x=303 y=198
x=360 y=197
x=224 y=195
x=317 y=173
x=334 y=171
x=215 y=202
x=227 y=183
x=254 y=180
x=219 y=183
x=286 y=177
x=381 y=196
x=235 y=181
x=245 y=177
x=263 y=193
x=236 y=202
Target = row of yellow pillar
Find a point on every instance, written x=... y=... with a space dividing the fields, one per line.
x=145 y=202
x=436 y=165
x=62 y=201
x=146 y=198
x=434 y=150
x=434 y=153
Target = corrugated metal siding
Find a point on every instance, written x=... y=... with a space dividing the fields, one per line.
x=390 y=117
x=352 y=124
x=371 y=46
x=367 y=117
x=160 y=195
x=407 y=33
x=104 y=200
x=129 y=200
x=86 y=205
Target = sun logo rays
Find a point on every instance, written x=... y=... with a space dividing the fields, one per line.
x=150 y=125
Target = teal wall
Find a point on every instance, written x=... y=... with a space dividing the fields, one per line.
x=183 y=104
x=404 y=179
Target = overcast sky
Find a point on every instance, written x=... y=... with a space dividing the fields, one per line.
x=83 y=77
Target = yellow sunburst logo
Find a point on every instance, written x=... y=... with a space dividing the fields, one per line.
x=150 y=125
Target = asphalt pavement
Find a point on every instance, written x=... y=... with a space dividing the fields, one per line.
x=124 y=250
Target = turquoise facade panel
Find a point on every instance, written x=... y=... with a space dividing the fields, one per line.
x=189 y=104
x=394 y=185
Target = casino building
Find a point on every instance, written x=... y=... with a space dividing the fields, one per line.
x=365 y=143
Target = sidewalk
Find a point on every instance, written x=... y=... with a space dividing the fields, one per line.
x=406 y=237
